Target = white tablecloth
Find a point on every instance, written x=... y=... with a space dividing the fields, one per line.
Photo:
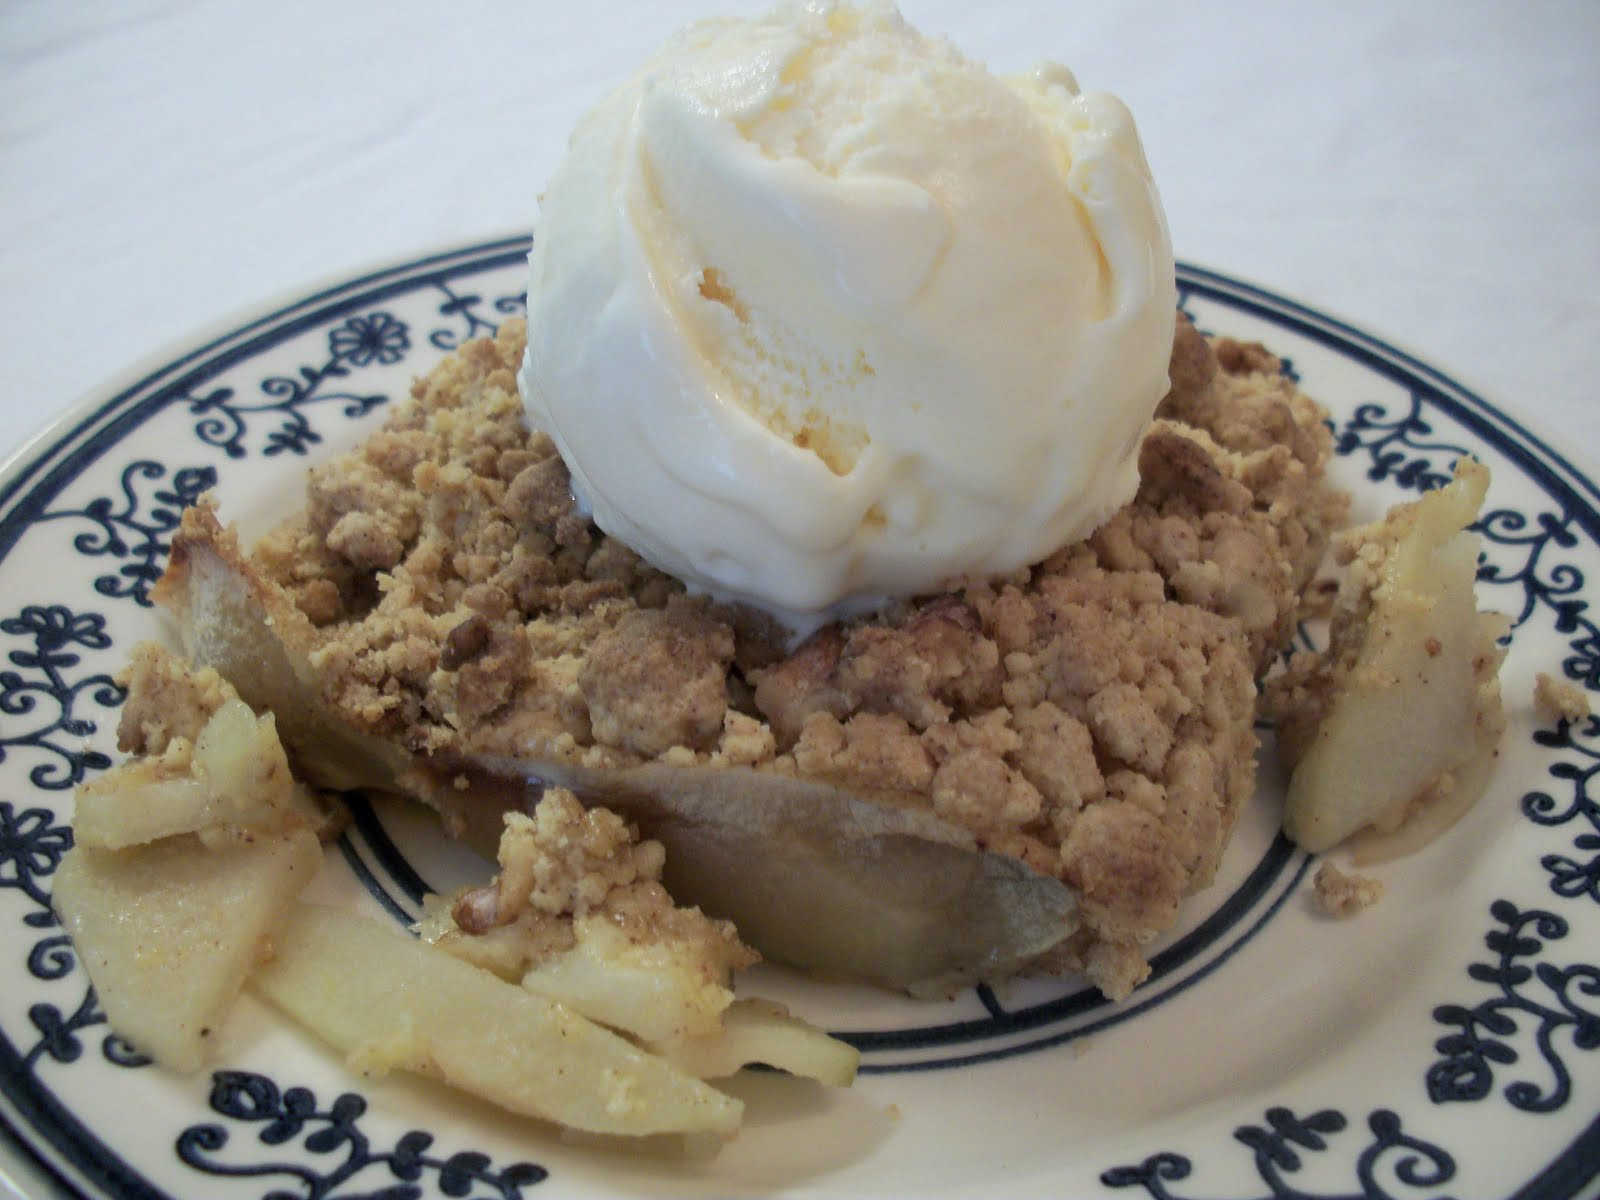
x=1425 y=170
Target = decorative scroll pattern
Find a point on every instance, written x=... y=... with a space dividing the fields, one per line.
x=360 y=341
x=341 y=1162
x=40 y=698
x=1392 y=1164
x=134 y=527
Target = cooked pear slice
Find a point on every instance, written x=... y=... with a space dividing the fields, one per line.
x=761 y=1031
x=739 y=1033
x=389 y=1001
x=1393 y=730
x=236 y=777
x=169 y=931
x=141 y=802
x=648 y=989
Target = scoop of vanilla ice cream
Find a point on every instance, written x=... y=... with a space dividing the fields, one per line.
x=822 y=313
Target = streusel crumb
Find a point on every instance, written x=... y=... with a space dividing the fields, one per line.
x=563 y=863
x=168 y=702
x=1341 y=894
x=1559 y=700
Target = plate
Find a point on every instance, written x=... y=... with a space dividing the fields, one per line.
x=1446 y=1041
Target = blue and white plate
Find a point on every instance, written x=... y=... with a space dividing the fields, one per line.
x=1445 y=1042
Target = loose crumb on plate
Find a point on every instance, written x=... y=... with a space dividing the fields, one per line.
x=1341 y=894
x=1558 y=700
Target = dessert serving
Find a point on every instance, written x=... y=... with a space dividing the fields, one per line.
x=1019 y=774
x=854 y=561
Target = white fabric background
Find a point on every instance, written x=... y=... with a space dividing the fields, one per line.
x=1425 y=170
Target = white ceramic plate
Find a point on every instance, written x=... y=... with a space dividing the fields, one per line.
x=1445 y=1042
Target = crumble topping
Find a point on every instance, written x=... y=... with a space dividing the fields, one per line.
x=168 y=704
x=1230 y=512
x=1091 y=716
x=680 y=651
x=562 y=859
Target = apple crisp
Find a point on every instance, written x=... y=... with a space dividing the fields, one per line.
x=1085 y=727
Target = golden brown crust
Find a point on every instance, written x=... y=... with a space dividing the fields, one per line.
x=1091 y=717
